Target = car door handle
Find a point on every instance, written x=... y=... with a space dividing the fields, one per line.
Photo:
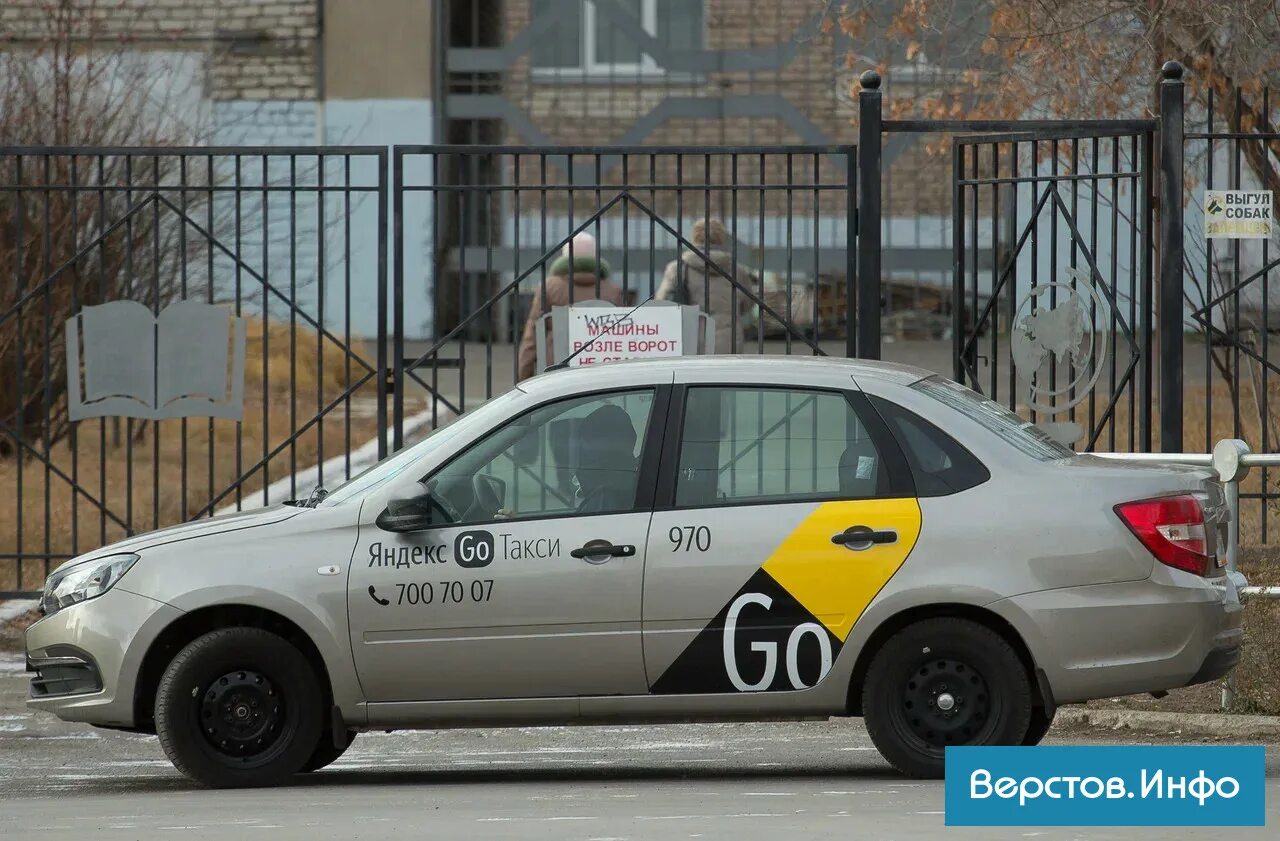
x=603 y=549
x=862 y=537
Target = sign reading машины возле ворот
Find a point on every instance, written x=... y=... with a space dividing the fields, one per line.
x=605 y=334
x=1238 y=214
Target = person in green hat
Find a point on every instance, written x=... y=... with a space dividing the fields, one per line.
x=563 y=281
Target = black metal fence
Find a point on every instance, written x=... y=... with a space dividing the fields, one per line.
x=1069 y=217
x=181 y=333
x=284 y=252
x=190 y=330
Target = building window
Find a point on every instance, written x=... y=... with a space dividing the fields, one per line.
x=589 y=38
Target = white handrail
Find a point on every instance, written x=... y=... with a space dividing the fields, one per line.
x=1197 y=459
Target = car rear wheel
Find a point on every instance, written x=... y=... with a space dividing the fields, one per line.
x=325 y=752
x=1039 y=726
x=940 y=682
x=239 y=707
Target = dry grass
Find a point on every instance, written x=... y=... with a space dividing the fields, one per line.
x=153 y=455
x=1258 y=675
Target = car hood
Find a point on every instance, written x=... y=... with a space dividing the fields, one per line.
x=199 y=528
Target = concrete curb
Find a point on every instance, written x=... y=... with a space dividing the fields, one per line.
x=1222 y=725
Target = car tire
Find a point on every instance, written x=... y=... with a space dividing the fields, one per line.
x=1038 y=727
x=939 y=682
x=325 y=753
x=239 y=707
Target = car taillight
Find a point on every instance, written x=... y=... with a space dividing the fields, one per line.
x=1172 y=528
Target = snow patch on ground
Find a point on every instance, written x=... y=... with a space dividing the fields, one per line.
x=14 y=608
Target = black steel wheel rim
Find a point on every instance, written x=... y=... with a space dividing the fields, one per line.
x=244 y=718
x=944 y=701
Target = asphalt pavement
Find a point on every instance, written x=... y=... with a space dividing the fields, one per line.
x=738 y=781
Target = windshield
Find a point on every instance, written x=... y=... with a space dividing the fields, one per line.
x=1022 y=434
x=395 y=464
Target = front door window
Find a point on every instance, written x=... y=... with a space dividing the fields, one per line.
x=577 y=456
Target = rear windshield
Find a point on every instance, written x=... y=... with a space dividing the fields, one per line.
x=1022 y=434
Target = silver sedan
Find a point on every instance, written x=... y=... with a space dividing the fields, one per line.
x=701 y=539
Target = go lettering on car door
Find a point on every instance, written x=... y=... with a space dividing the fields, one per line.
x=770 y=649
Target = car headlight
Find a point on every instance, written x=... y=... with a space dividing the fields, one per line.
x=82 y=581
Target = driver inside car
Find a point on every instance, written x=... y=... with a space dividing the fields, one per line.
x=607 y=469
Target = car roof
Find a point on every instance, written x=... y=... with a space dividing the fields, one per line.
x=748 y=368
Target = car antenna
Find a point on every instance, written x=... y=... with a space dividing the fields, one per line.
x=564 y=363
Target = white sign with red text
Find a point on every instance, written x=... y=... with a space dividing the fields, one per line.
x=615 y=333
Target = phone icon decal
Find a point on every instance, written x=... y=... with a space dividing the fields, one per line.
x=373 y=594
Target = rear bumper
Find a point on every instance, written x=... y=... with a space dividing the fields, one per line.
x=1171 y=630
x=1217 y=663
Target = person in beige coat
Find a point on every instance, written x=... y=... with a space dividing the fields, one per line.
x=708 y=288
x=582 y=277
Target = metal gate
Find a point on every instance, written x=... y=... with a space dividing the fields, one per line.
x=773 y=227
x=196 y=330
x=1233 y=293
x=181 y=331
x=1060 y=324
x=190 y=330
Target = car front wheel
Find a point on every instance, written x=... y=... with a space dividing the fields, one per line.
x=239 y=707
x=940 y=682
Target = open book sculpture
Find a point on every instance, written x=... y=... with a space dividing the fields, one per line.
x=186 y=362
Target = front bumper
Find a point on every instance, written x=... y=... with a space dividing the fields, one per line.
x=63 y=671
x=86 y=657
x=1105 y=640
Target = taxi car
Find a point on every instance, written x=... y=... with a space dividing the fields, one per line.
x=708 y=538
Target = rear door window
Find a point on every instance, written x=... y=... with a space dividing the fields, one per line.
x=742 y=445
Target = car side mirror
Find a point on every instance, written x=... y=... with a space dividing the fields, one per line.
x=416 y=514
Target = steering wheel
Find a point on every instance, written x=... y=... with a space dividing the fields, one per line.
x=489 y=493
